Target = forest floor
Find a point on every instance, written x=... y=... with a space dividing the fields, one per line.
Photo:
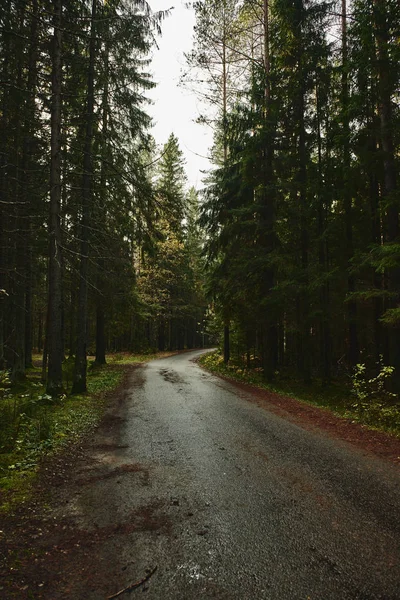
x=45 y=554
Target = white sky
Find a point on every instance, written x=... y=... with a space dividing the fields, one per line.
x=175 y=109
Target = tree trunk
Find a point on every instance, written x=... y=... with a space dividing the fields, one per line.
x=390 y=191
x=4 y=133
x=100 y=312
x=325 y=333
x=45 y=357
x=54 y=332
x=304 y=324
x=79 y=379
x=161 y=335
x=26 y=192
x=353 y=345
x=227 y=349
x=40 y=333
x=28 y=316
x=225 y=143
x=379 y=333
x=100 y=337
x=17 y=338
x=267 y=215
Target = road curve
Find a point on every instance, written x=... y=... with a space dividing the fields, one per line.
x=238 y=503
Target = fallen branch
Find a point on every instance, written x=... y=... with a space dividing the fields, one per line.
x=134 y=585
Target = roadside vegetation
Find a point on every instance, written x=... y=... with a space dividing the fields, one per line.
x=360 y=399
x=34 y=424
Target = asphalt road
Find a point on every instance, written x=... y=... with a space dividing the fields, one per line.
x=231 y=501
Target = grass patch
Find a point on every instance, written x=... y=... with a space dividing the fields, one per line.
x=125 y=358
x=32 y=424
x=375 y=412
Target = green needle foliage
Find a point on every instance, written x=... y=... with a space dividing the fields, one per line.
x=85 y=200
x=302 y=208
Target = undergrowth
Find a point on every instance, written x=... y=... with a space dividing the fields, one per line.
x=33 y=424
x=363 y=400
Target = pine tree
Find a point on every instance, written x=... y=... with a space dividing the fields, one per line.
x=54 y=322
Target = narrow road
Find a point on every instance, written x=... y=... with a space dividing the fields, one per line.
x=230 y=501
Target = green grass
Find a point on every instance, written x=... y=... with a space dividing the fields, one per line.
x=125 y=358
x=377 y=413
x=32 y=424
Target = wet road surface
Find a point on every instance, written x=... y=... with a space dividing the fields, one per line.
x=230 y=501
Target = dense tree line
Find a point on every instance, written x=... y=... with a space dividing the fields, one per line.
x=170 y=276
x=302 y=207
x=100 y=246
x=90 y=216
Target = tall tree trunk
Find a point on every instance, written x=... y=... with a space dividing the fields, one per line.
x=4 y=133
x=267 y=214
x=161 y=334
x=353 y=345
x=325 y=333
x=54 y=332
x=227 y=347
x=390 y=191
x=27 y=192
x=79 y=379
x=40 y=333
x=225 y=142
x=17 y=338
x=267 y=61
x=100 y=334
x=376 y=230
x=303 y=308
x=28 y=307
x=100 y=337
x=224 y=121
x=100 y=312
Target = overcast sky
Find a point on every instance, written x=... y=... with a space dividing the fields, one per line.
x=176 y=109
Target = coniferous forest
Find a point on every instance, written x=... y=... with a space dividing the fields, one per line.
x=99 y=243
x=302 y=208
x=291 y=249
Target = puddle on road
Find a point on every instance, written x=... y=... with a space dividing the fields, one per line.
x=171 y=376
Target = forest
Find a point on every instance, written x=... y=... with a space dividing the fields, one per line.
x=301 y=212
x=290 y=252
x=100 y=246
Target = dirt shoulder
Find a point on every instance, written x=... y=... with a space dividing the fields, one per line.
x=46 y=554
